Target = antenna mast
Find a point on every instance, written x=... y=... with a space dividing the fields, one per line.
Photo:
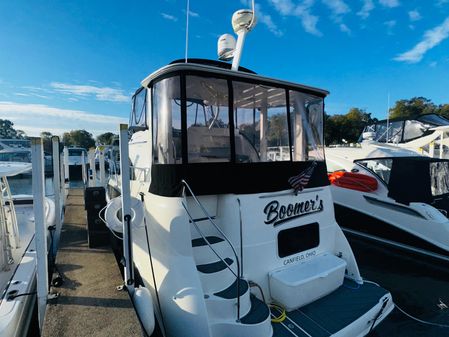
x=388 y=117
x=187 y=29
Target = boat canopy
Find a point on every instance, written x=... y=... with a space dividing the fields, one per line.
x=413 y=179
x=208 y=116
x=405 y=130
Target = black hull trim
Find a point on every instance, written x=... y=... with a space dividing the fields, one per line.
x=362 y=225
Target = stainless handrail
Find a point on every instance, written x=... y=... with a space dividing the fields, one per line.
x=207 y=241
x=224 y=236
x=241 y=235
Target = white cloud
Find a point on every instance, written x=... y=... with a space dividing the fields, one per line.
x=433 y=64
x=431 y=39
x=264 y=18
x=338 y=7
x=308 y=20
x=442 y=2
x=268 y=21
x=100 y=93
x=414 y=15
x=389 y=3
x=193 y=14
x=301 y=11
x=390 y=25
x=31 y=94
x=35 y=118
x=169 y=17
x=284 y=7
x=344 y=28
x=368 y=6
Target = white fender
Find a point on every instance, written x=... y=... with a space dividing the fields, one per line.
x=114 y=222
x=143 y=303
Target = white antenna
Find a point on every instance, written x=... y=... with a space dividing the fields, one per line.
x=243 y=21
x=242 y=25
x=388 y=117
x=187 y=29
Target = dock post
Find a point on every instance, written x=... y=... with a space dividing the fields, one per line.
x=126 y=207
x=37 y=155
x=92 y=169
x=66 y=165
x=83 y=168
x=102 y=168
x=57 y=189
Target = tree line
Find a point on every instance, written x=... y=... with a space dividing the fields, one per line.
x=79 y=138
x=339 y=129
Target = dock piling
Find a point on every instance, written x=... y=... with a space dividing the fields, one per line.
x=37 y=155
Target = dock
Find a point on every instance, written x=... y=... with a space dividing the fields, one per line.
x=89 y=303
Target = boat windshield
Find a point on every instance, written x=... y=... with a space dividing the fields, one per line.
x=412 y=179
x=76 y=152
x=233 y=121
x=400 y=131
x=381 y=167
x=22 y=157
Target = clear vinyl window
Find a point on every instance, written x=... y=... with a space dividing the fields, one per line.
x=306 y=120
x=261 y=126
x=208 y=135
x=167 y=142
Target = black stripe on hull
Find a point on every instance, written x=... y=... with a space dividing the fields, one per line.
x=380 y=231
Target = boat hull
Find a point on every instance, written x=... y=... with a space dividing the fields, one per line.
x=359 y=224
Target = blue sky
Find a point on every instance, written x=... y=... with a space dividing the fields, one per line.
x=71 y=65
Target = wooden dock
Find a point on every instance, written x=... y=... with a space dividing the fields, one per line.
x=89 y=303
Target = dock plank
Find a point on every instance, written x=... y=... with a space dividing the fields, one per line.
x=89 y=304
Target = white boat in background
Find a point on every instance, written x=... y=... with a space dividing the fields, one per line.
x=392 y=195
x=19 y=151
x=426 y=134
x=17 y=253
x=75 y=160
x=224 y=243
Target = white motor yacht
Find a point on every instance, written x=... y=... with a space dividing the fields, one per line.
x=19 y=150
x=392 y=195
x=17 y=253
x=238 y=235
x=75 y=161
x=427 y=134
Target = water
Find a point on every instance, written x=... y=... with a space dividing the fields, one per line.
x=421 y=288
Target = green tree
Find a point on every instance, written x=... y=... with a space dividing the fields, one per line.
x=347 y=127
x=106 y=138
x=46 y=139
x=411 y=108
x=80 y=138
x=7 y=130
x=277 y=134
x=443 y=110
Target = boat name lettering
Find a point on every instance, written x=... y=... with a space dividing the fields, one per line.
x=298 y=258
x=277 y=214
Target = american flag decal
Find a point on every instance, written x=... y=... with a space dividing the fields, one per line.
x=300 y=181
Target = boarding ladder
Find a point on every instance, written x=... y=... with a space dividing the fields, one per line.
x=9 y=231
x=226 y=293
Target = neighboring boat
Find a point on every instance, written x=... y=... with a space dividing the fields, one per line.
x=393 y=196
x=226 y=246
x=19 y=150
x=426 y=134
x=17 y=253
x=75 y=159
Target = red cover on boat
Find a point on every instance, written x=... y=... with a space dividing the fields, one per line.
x=353 y=181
